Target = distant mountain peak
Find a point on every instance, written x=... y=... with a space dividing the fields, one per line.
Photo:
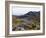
x=29 y=14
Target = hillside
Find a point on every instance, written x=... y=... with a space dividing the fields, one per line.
x=29 y=21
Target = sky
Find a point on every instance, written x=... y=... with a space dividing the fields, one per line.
x=22 y=10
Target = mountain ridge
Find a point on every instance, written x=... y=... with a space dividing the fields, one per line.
x=29 y=14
